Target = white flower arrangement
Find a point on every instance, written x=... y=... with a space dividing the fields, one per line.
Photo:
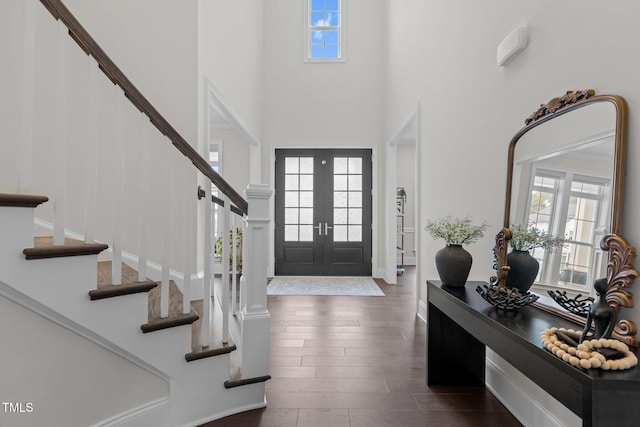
x=525 y=238
x=456 y=231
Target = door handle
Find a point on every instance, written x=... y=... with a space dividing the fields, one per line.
x=326 y=229
x=319 y=227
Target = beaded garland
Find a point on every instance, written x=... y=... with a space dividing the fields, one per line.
x=584 y=356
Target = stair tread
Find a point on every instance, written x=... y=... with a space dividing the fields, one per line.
x=246 y=381
x=22 y=200
x=216 y=346
x=169 y=322
x=130 y=284
x=43 y=247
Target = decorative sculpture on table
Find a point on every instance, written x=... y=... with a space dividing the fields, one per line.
x=601 y=315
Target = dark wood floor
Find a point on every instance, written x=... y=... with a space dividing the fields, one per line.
x=359 y=362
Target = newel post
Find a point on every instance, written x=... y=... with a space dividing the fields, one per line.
x=255 y=317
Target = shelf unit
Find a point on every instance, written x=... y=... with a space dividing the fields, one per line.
x=400 y=232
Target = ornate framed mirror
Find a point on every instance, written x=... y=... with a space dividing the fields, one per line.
x=565 y=175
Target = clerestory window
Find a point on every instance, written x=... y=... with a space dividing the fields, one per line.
x=324 y=31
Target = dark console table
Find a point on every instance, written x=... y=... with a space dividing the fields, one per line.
x=460 y=325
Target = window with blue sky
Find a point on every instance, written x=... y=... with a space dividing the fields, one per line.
x=324 y=28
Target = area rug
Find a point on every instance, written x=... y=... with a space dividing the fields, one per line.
x=314 y=285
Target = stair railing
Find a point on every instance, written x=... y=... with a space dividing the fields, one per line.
x=160 y=181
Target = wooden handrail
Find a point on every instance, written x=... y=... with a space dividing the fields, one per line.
x=111 y=70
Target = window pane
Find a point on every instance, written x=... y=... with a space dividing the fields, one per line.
x=317 y=51
x=355 y=216
x=290 y=182
x=317 y=4
x=355 y=165
x=355 y=182
x=355 y=233
x=306 y=182
x=340 y=233
x=290 y=199
x=317 y=19
x=331 y=4
x=306 y=216
x=291 y=165
x=331 y=51
x=340 y=183
x=355 y=199
x=332 y=19
x=306 y=199
x=318 y=37
x=306 y=233
x=291 y=233
x=306 y=165
x=340 y=216
x=331 y=37
x=340 y=165
x=291 y=216
x=340 y=199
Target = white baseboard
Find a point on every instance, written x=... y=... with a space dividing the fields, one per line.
x=228 y=413
x=152 y=414
x=525 y=405
x=422 y=311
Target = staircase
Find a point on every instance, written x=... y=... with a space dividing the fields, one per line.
x=119 y=268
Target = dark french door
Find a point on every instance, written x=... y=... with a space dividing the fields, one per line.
x=323 y=212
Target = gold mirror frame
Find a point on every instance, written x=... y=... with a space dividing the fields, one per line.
x=620 y=269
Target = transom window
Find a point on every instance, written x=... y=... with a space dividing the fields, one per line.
x=324 y=29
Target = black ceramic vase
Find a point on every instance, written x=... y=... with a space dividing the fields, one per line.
x=523 y=272
x=453 y=264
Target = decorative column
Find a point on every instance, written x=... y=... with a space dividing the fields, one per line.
x=254 y=315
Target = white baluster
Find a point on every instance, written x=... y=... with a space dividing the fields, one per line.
x=27 y=81
x=61 y=133
x=166 y=228
x=118 y=186
x=208 y=259
x=224 y=293
x=234 y=261
x=91 y=144
x=144 y=196
x=188 y=198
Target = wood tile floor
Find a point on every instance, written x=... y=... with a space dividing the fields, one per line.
x=359 y=362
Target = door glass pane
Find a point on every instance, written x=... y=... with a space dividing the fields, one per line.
x=340 y=183
x=306 y=233
x=298 y=199
x=306 y=199
x=290 y=199
x=291 y=233
x=347 y=185
x=355 y=216
x=306 y=182
x=355 y=165
x=340 y=233
x=306 y=165
x=291 y=165
x=291 y=182
x=306 y=216
x=290 y=215
x=355 y=233
x=355 y=182
x=340 y=216
x=340 y=199
x=355 y=199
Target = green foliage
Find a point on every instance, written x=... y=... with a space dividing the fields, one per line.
x=218 y=248
x=456 y=231
x=525 y=238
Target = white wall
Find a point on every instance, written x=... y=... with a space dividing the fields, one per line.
x=230 y=55
x=327 y=104
x=65 y=377
x=442 y=55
